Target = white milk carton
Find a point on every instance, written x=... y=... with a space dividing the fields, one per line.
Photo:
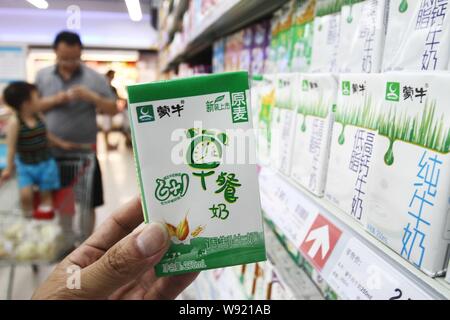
x=363 y=29
x=283 y=120
x=418 y=36
x=409 y=190
x=264 y=99
x=195 y=171
x=314 y=99
x=353 y=141
x=326 y=35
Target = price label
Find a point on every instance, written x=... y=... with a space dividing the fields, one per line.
x=360 y=274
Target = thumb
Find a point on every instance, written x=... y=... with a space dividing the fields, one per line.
x=125 y=261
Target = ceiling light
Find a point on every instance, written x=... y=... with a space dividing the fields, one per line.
x=40 y=4
x=134 y=9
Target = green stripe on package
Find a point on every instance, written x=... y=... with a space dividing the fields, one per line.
x=194 y=154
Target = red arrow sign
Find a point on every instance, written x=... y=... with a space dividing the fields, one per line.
x=320 y=241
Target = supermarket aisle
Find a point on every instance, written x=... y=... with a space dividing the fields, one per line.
x=119 y=186
x=119 y=176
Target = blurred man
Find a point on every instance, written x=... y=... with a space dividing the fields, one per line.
x=72 y=95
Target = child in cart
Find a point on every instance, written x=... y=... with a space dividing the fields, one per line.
x=28 y=150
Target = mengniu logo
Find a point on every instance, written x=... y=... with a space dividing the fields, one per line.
x=346 y=88
x=145 y=113
x=392 y=91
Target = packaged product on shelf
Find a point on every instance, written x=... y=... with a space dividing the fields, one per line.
x=233 y=48
x=326 y=35
x=204 y=176
x=408 y=206
x=270 y=65
x=284 y=38
x=353 y=142
x=363 y=29
x=261 y=36
x=245 y=54
x=302 y=35
x=264 y=100
x=282 y=124
x=219 y=56
x=314 y=99
x=418 y=36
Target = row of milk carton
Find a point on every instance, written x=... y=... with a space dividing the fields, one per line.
x=375 y=145
x=380 y=35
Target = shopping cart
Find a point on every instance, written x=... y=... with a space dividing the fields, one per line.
x=34 y=242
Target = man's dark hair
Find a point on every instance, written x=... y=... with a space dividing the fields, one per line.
x=68 y=37
x=17 y=93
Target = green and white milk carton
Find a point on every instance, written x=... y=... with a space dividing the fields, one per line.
x=353 y=141
x=363 y=29
x=418 y=36
x=302 y=36
x=194 y=152
x=314 y=99
x=326 y=36
x=283 y=124
x=264 y=99
x=409 y=191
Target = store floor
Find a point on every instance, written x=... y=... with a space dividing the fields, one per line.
x=119 y=186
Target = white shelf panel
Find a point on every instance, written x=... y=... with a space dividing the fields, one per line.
x=355 y=264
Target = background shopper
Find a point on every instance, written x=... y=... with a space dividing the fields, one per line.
x=72 y=95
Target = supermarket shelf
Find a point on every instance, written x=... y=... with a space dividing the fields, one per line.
x=177 y=14
x=282 y=196
x=229 y=16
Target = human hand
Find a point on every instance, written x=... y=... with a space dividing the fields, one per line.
x=60 y=98
x=82 y=93
x=117 y=262
x=6 y=175
x=70 y=146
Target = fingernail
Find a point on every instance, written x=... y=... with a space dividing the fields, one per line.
x=152 y=239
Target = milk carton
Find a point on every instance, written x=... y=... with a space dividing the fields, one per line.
x=219 y=56
x=284 y=38
x=314 y=99
x=302 y=35
x=353 y=141
x=326 y=36
x=408 y=206
x=363 y=28
x=264 y=98
x=418 y=36
x=194 y=173
x=283 y=124
x=261 y=35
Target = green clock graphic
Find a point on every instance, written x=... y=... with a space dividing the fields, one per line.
x=206 y=148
